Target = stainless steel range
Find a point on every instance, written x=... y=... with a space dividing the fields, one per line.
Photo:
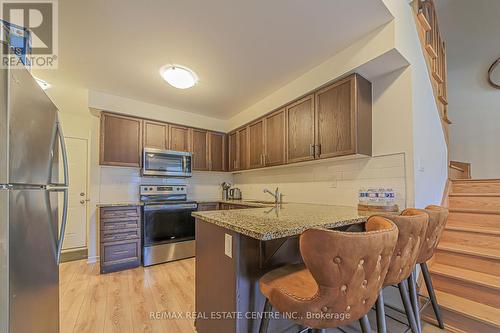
x=168 y=227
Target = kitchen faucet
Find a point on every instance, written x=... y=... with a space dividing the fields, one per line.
x=278 y=197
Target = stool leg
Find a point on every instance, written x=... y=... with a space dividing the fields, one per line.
x=407 y=305
x=365 y=324
x=381 y=324
x=432 y=295
x=414 y=299
x=264 y=322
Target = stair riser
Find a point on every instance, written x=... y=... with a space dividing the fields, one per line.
x=456 y=323
x=482 y=203
x=474 y=263
x=467 y=289
x=476 y=187
x=490 y=221
x=472 y=239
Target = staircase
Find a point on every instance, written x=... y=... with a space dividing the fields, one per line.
x=435 y=56
x=466 y=268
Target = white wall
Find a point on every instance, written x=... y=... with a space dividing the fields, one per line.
x=471 y=30
x=102 y=101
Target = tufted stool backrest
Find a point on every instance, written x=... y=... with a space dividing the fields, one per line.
x=412 y=225
x=348 y=267
x=438 y=216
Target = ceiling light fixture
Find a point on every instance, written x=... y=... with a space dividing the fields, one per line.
x=179 y=76
x=43 y=84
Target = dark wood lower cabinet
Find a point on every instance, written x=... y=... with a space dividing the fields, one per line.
x=120 y=238
x=207 y=206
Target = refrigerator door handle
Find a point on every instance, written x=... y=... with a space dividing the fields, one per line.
x=60 y=135
x=60 y=240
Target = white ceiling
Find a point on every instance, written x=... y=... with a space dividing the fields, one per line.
x=241 y=50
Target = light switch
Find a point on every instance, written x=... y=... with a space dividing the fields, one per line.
x=228 y=245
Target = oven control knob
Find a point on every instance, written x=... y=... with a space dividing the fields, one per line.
x=150 y=188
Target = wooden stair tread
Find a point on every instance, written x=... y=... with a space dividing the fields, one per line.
x=474 y=229
x=474 y=194
x=483 y=279
x=475 y=211
x=477 y=311
x=476 y=180
x=472 y=250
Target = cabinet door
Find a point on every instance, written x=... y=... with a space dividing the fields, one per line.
x=300 y=130
x=335 y=116
x=121 y=140
x=155 y=135
x=217 y=154
x=179 y=138
x=275 y=153
x=233 y=150
x=199 y=139
x=242 y=149
x=256 y=144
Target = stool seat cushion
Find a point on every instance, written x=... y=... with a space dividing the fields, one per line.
x=295 y=281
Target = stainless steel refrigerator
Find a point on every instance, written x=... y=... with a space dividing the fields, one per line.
x=31 y=228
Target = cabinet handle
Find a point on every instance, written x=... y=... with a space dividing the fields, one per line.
x=319 y=150
x=120 y=252
x=311 y=149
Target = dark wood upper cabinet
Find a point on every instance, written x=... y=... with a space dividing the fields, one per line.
x=275 y=138
x=179 y=138
x=121 y=140
x=233 y=150
x=199 y=139
x=238 y=144
x=155 y=134
x=243 y=149
x=256 y=144
x=343 y=118
x=217 y=151
x=300 y=130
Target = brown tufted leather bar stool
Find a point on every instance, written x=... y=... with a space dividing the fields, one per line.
x=438 y=217
x=340 y=280
x=412 y=229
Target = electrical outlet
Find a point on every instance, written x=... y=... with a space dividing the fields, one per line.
x=228 y=245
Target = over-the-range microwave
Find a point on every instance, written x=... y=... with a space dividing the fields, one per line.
x=166 y=163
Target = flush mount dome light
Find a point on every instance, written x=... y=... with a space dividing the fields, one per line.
x=178 y=76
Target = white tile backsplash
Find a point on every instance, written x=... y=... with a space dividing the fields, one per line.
x=120 y=184
x=328 y=182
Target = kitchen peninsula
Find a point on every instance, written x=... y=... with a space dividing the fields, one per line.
x=234 y=248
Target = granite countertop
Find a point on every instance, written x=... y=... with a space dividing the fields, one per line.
x=290 y=219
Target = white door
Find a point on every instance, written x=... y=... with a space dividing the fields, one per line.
x=76 y=228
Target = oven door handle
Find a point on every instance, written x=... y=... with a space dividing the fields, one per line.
x=152 y=208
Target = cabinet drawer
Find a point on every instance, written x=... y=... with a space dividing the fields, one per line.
x=121 y=212
x=120 y=252
x=120 y=224
x=120 y=235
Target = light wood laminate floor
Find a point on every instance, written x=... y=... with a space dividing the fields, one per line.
x=122 y=301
